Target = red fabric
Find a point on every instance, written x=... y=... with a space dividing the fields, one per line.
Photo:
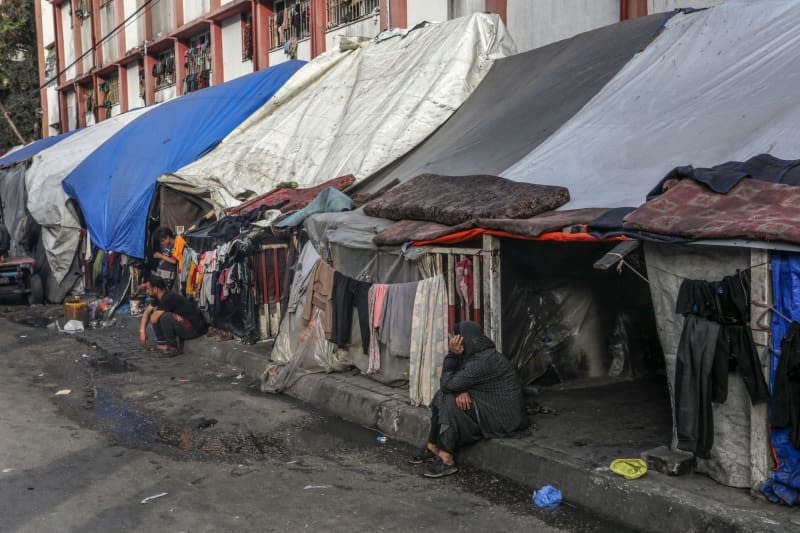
x=474 y=233
x=298 y=198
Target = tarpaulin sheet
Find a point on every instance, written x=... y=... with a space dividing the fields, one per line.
x=12 y=208
x=667 y=266
x=47 y=201
x=289 y=199
x=784 y=483
x=355 y=111
x=715 y=85
x=115 y=184
x=752 y=209
x=521 y=102
x=29 y=150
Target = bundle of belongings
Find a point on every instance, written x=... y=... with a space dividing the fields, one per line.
x=406 y=320
x=716 y=340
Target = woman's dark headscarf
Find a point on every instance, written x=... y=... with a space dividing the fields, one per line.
x=474 y=339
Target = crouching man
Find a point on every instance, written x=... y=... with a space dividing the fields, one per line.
x=174 y=318
x=480 y=397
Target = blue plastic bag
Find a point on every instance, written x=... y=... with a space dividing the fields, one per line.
x=547 y=497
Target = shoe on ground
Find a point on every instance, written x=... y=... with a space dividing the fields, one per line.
x=424 y=456
x=438 y=469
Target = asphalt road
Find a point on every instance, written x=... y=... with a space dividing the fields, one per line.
x=224 y=457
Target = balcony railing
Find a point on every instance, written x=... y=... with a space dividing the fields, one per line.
x=341 y=12
x=290 y=21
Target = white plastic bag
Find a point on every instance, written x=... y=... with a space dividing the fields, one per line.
x=73 y=326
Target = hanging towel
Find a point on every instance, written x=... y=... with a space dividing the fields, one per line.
x=396 y=324
x=428 y=340
x=319 y=294
x=377 y=299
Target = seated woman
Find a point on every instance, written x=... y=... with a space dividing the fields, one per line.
x=480 y=396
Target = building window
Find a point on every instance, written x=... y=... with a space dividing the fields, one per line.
x=50 y=66
x=341 y=12
x=197 y=61
x=83 y=9
x=290 y=22
x=247 y=36
x=164 y=70
x=110 y=91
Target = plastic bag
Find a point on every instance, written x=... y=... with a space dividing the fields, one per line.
x=73 y=326
x=547 y=497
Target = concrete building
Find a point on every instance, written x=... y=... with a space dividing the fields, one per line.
x=99 y=58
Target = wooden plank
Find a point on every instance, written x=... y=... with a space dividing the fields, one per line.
x=492 y=284
x=760 y=291
x=614 y=256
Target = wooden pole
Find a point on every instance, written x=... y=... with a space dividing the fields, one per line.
x=11 y=123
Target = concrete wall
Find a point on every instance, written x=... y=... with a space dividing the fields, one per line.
x=52 y=109
x=463 y=8
x=232 y=64
x=47 y=22
x=433 y=11
x=72 y=111
x=304 y=50
x=134 y=100
x=69 y=41
x=115 y=110
x=535 y=23
x=193 y=9
x=167 y=93
x=369 y=27
x=660 y=6
x=277 y=57
x=163 y=18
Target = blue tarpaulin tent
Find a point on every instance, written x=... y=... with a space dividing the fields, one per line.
x=783 y=486
x=115 y=185
x=30 y=150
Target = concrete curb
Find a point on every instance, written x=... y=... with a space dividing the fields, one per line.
x=656 y=503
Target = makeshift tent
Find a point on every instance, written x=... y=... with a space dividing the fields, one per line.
x=354 y=111
x=522 y=101
x=47 y=202
x=29 y=150
x=12 y=208
x=714 y=86
x=114 y=186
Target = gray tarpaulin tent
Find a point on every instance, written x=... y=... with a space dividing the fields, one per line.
x=522 y=101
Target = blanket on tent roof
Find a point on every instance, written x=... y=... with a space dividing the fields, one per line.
x=752 y=209
x=289 y=199
x=453 y=200
x=416 y=230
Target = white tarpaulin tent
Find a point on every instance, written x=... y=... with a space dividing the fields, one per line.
x=47 y=202
x=715 y=86
x=352 y=111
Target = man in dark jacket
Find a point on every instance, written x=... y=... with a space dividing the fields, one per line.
x=480 y=396
x=174 y=318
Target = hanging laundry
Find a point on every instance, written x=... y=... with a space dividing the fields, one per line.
x=464 y=281
x=428 y=337
x=716 y=339
x=397 y=314
x=304 y=268
x=319 y=294
x=347 y=293
x=785 y=403
x=177 y=250
x=377 y=300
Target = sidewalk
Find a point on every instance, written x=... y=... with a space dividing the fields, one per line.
x=577 y=466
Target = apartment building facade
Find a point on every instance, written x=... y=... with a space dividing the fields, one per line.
x=99 y=58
